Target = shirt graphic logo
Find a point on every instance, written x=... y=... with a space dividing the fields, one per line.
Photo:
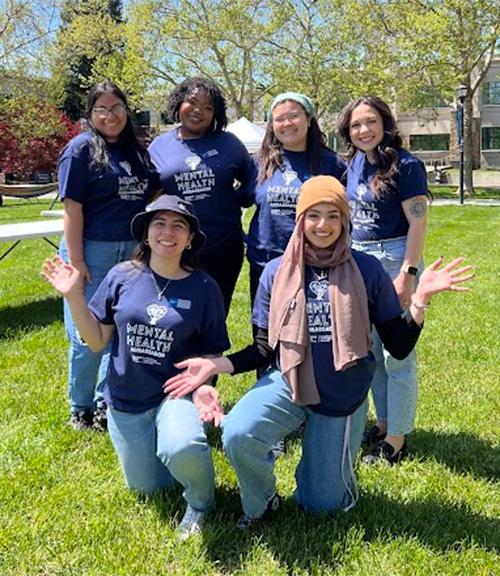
x=126 y=166
x=289 y=176
x=361 y=190
x=319 y=286
x=192 y=161
x=155 y=312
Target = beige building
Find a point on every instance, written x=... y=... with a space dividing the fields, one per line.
x=431 y=133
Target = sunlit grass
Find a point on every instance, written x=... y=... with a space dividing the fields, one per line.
x=64 y=509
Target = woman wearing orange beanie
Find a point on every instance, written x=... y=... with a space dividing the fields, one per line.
x=313 y=314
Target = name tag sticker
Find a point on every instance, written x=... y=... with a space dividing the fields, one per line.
x=210 y=153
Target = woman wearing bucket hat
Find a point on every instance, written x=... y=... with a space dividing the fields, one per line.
x=314 y=307
x=156 y=310
x=387 y=191
x=105 y=179
x=293 y=150
x=201 y=162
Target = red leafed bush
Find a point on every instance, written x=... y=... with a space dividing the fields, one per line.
x=31 y=138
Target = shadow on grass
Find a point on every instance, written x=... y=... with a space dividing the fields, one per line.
x=17 y=320
x=318 y=542
x=461 y=452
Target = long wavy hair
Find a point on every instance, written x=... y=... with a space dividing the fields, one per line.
x=270 y=154
x=386 y=153
x=187 y=88
x=127 y=140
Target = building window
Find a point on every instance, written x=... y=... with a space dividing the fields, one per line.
x=491 y=138
x=491 y=93
x=429 y=142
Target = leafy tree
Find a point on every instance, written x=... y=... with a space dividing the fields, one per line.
x=90 y=33
x=224 y=40
x=438 y=45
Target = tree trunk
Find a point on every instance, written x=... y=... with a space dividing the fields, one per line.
x=468 y=146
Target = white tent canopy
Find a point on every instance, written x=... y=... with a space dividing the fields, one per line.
x=250 y=134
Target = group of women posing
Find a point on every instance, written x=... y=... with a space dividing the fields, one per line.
x=329 y=319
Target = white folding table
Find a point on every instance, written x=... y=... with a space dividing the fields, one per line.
x=27 y=230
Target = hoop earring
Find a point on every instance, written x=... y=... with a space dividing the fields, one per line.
x=188 y=246
x=146 y=242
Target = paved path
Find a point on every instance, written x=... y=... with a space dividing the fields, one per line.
x=467 y=202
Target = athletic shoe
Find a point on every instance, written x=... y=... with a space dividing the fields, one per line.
x=383 y=451
x=81 y=420
x=191 y=524
x=272 y=506
x=100 y=418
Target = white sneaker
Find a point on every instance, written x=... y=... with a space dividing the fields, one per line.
x=191 y=524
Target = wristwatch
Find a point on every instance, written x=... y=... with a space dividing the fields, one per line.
x=411 y=271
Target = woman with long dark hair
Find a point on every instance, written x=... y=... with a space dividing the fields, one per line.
x=211 y=168
x=387 y=191
x=105 y=179
x=294 y=149
x=155 y=310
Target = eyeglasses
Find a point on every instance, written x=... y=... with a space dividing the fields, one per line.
x=116 y=110
x=291 y=117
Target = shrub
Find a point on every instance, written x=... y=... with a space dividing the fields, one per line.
x=32 y=137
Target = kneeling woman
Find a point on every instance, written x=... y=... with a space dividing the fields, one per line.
x=315 y=306
x=156 y=309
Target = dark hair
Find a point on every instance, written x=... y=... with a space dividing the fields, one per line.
x=127 y=139
x=271 y=150
x=142 y=252
x=188 y=87
x=386 y=153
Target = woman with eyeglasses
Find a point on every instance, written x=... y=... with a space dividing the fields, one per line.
x=294 y=149
x=105 y=179
x=202 y=163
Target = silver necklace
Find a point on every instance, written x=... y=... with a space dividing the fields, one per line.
x=159 y=292
x=321 y=276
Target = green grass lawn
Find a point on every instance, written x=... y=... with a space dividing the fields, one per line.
x=64 y=509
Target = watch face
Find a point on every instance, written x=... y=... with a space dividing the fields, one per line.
x=412 y=271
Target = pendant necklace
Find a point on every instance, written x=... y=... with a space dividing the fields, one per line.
x=159 y=292
x=157 y=311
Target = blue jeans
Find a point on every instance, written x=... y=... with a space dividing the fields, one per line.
x=87 y=370
x=394 y=385
x=163 y=445
x=265 y=415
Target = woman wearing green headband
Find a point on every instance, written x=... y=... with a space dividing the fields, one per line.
x=293 y=150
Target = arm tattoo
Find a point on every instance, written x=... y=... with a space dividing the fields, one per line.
x=418 y=208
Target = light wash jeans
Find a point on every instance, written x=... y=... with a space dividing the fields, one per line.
x=87 y=370
x=163 y=445
x=265 y=415
x=394 y=385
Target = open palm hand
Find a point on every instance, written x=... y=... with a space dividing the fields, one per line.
x=435 y=279
x=65 y=278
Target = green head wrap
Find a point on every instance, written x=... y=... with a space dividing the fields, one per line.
x=302 y=99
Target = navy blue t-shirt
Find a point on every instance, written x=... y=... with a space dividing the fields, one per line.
x=150 y=335
x=276 y=199
x=341 y=393
x=203 y=171
x=110 y=198
x=382 y=218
